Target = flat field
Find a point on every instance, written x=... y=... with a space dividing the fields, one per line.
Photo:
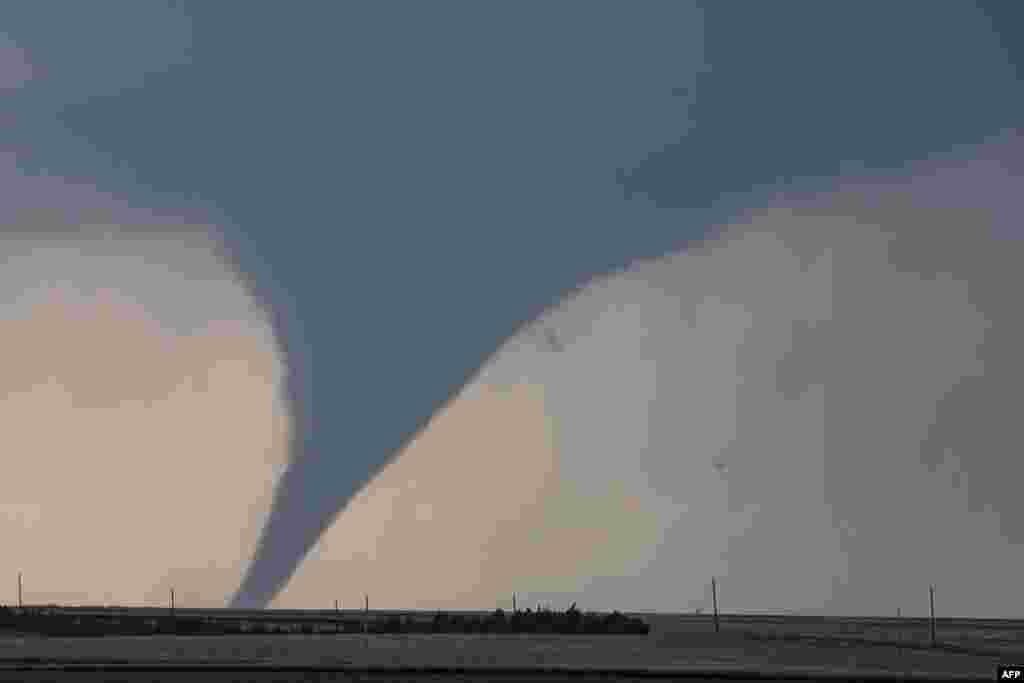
x=802 y=646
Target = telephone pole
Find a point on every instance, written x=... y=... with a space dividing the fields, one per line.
x=931 y=603
x=19 y=590
x=714 y=599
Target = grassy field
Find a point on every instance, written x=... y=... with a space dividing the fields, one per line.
x=994 y=637
x=801 y=645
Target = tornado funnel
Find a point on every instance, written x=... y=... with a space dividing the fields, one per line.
x=458 y=182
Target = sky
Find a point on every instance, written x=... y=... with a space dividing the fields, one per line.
x=308 y=274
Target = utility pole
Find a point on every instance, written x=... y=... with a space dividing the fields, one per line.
x=714 y=600
x=19 y=590
x=335 y=605
x=172 y=602
x=899 y=632
x=931 y=602
x=513 y=602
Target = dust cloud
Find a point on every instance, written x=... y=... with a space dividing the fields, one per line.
x=815 y=405
x=141 y=398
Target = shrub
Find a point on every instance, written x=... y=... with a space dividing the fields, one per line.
x=439 y=623
x=187 y=626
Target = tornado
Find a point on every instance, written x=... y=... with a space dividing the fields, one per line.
x=492 y=160
x=401 y=190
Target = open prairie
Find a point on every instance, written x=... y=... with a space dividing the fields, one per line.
x=801 y=646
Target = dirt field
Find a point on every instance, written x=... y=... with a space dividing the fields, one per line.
x=676 y=643
x=665 y=652
x=377 y=676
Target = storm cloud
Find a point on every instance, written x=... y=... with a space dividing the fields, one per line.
x=815 y=405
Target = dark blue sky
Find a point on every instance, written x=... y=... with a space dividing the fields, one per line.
x=407 y=183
